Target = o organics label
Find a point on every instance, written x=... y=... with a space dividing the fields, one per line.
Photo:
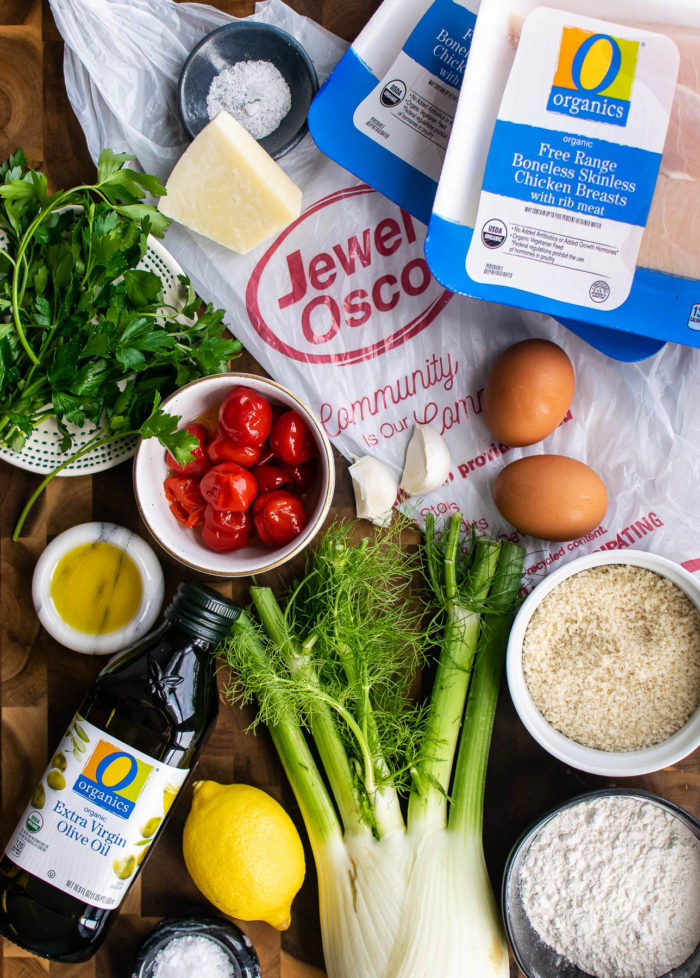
x=113 y=779
x=594 y=76
x=94 y=816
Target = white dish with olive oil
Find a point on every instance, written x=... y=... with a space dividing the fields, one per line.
x=97 y=588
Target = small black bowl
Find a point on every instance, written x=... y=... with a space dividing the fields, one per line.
x=249 y=41
x=537 y=959
x=222 y=932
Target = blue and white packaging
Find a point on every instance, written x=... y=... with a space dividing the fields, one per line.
x=556 y=203
x=571 y=171
x=386 y=111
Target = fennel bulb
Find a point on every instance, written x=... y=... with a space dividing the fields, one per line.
x=399 y=896
x=362 y=885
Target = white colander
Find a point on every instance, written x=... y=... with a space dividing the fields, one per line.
x=41 y=453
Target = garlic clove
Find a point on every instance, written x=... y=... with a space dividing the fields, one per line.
x=427 y=461
x=375 y=489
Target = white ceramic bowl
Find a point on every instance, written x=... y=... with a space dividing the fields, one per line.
x=184 y=543
x=607 y=763
x=151 y=580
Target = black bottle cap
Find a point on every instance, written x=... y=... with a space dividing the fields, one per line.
x=202 y=611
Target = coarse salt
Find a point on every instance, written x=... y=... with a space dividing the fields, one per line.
x=254 y=93
x=184 y=957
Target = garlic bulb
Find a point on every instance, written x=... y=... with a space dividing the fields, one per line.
x=427 y=461
x=375 y=489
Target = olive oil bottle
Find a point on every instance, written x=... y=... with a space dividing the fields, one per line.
x=96 y=813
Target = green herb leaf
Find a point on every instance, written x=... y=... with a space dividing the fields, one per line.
x=12 y=168
x=143 y=288
x=106 y=222
x=91 y=337
x=158 y=222
x=42 y=314
x=179 y=442
x=40 y=278
x=89 y=379
x=68 y=407
x=133 y=185
x=192 y=302
x=31 y=187
x=109 y=162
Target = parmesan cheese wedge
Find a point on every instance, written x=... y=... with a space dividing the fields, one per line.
x=226 y=187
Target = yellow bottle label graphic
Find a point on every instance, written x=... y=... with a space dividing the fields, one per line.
x=83 y=830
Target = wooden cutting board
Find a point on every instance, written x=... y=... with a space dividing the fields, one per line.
x=42 y=683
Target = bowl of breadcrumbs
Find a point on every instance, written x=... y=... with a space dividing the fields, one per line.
x=603 y=663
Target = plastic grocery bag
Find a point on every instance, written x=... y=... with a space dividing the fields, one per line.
x=341 y=307
x=386 y=112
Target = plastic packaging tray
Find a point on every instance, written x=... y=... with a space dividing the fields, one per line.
x=660 y=307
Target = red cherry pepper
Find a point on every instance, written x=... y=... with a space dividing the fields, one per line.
x=266 y=456
x=222 y=449
x=302 y=474
x=199 y=464
x=224 y=531
x=279 y=517
x=277 y=409
x=245 y=416
x=229 y=486
x=186 y=501
x=290 y=439
x=270 y=477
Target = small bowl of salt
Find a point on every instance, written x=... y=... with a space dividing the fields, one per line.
x=257 y=73
x=180 y=947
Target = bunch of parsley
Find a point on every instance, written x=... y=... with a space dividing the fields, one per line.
x=85 y=336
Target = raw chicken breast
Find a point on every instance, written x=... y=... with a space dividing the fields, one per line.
x=681 y=158
x=671 y=241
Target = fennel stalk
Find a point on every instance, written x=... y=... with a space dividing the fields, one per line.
x=399 y=897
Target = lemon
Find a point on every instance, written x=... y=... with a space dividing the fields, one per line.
x=243 y=852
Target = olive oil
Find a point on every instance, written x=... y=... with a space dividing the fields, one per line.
x=93 y=819
x=96 y=588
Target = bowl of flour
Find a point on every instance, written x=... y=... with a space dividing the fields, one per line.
x=606 y=885
x=257 y=73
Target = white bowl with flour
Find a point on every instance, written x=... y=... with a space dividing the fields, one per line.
x=604 y=668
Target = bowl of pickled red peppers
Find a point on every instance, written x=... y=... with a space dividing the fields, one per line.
x=257 y=488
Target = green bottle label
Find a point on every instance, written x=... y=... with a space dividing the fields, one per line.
x=94 y=816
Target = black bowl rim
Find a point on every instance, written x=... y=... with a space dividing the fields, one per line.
x=540 y=822
x=246 y=25
x=205 y=925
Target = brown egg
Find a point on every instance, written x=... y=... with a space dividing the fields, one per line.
x=528 y=392
x=550 y=497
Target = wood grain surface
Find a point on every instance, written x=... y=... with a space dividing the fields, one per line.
x=43 y=683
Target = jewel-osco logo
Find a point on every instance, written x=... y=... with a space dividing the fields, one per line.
x=594 y=76
x=112 y=779
x=344 y=283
